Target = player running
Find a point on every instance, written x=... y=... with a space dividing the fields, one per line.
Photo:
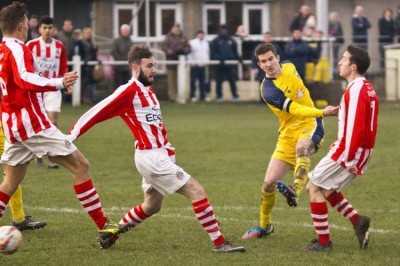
x=26 y=126
x=301 y=133
x=136 y=103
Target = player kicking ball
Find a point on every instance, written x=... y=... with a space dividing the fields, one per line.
x=301 y=133
x=136 y=103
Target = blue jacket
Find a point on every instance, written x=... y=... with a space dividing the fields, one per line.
x=224 y=48
x=299 y=52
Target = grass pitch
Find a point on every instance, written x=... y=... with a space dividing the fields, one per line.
x=226 y=147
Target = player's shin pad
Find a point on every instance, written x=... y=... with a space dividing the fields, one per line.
x=301 y=173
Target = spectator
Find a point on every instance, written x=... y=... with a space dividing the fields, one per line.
x=335 y=30
x=397 y=22
x=33 y=24
x=65 y=36
x=299 y=21
x=299 y=52
x=360 y=25
x=54 y=33
x=311 y=23
x=257 y=70
x=200 y=51
x=241 y=32
x=76 y=36
x=88 y=52
x=223 y=48
x=174 y=44
x=387 y=31
x=120 y=49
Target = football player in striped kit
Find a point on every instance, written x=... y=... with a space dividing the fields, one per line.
x=27 y=128
x=51 y=56
x=136 y=103
x=349 y=155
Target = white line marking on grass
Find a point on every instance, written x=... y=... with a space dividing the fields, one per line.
x=121 y=210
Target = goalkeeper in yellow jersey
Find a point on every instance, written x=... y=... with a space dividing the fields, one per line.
x=20 y=220
x=301 y=133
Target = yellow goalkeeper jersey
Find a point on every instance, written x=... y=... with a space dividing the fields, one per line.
x=289 y=99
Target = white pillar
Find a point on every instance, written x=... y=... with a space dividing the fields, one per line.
x=76 y=94
x=181 y=80
x=322 y=21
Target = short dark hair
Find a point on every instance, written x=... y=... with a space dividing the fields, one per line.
x=46 y=20
x=359 y=57
x=11 y=16
x=265 y=48
x=137 y=53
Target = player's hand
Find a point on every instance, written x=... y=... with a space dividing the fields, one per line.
x=330 y=110
x=70 y=90
x=70 y=78
x=352 y=169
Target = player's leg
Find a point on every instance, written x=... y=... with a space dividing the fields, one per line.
x=52 y=104
x=304 y=149
x=285 y=151
x=12 y=179
x=151 y=205
x=276 y=171
x=309 y=141
x=87 y=195
x=205 y=215
x=20 y=220
x=319 y=214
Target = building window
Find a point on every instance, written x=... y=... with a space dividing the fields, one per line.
x=166 y=16
x=123 y=14
x=256 y=18
x=214 y=16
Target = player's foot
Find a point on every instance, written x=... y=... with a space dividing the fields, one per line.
x=362 y=230
x=258 y=232
x=317 y=246
x=227 y=247
x=52 y=165
x=110 y=233
x=29 y=224
x=288 y=192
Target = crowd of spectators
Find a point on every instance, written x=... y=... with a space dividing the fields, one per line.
x=303 y=49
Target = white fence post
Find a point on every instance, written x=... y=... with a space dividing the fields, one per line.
x=181 y=80
x=76 y=94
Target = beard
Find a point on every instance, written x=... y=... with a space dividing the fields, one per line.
x=143 y=79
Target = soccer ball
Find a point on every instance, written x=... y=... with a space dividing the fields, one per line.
x=10 y=239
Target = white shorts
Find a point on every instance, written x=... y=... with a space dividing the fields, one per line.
x=52 y=101
x=329 y=175
x=50 y=142
x=159 y=171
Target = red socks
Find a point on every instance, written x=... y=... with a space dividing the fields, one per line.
x=90 y=201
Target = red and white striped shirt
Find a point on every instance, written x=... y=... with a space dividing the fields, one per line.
x=138 y=106
x=358 y=122
x=51 y=57
x=22 y=111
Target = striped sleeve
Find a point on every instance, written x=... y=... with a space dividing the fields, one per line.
x=114 y=105
x=27 y=79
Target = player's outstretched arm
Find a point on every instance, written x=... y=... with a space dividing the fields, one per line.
x=330 y=110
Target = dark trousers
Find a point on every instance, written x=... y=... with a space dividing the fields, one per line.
x=227 y=71
x=197 y=74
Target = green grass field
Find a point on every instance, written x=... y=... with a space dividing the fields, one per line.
x=226 y=147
